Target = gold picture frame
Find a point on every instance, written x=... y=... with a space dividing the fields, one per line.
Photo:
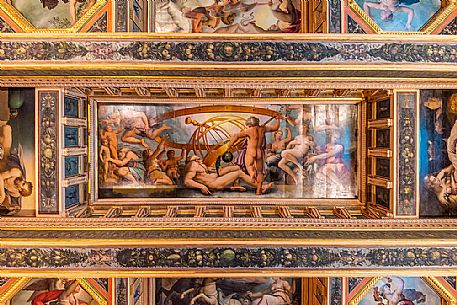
x=96 y=202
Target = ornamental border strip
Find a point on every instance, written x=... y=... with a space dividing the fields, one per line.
x=192 y=51
x=242 y=258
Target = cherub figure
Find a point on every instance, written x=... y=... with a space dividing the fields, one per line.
x=170 y=166
x=111 y=136
x=389 y=7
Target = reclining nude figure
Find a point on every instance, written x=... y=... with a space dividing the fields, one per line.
x=197 y=175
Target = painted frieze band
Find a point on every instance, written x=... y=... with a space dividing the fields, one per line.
x=274 y=258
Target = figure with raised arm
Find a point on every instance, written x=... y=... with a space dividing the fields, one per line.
x=295 y=152
x=252 y=157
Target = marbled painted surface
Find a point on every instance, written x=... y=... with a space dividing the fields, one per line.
x=5 y=27
x=353 y=282
x=353 y=27
x=450 y=29
x=101 y=25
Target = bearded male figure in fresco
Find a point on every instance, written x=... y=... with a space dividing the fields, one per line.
x=13 y=185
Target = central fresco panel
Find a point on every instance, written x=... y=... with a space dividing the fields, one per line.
x=302 y=150
x=228 y=291
x=228 y=16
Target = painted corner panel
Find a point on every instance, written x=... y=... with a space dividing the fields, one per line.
x=402 y=290
x=400 y=16
x=51 y=15
x=35 y=291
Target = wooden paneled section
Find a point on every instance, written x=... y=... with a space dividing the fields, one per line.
x=315 y=291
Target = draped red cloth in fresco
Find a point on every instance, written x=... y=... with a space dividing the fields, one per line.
x=45 y=297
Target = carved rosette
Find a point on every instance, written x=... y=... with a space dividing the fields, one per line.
x=407 y=142
x=48 y=177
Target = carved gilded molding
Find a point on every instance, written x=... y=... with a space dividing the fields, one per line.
x=436 y=285
x=254 y=83
x=224 y=223
x=14 y=288
x=94 y=293
x=364 y=291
